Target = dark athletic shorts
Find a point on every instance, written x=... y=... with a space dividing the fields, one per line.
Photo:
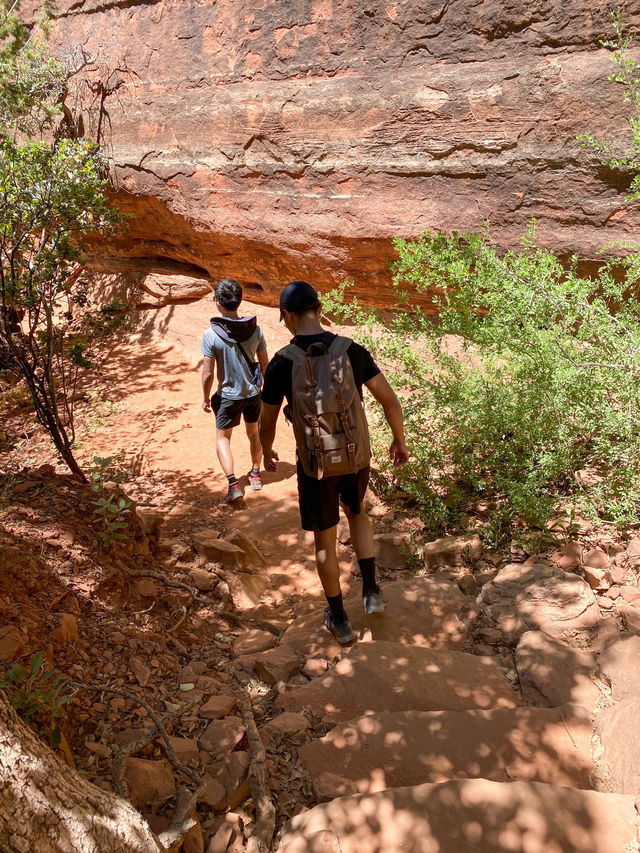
x=320 y=499
x=229 y=412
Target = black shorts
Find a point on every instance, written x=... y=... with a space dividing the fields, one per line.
x=229 y=412
x=320 y=499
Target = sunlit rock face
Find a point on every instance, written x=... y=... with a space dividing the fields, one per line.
x=280 y=139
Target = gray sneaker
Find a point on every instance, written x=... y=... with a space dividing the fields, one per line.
x=373 y=602
x=342 y=631
x=234 y=493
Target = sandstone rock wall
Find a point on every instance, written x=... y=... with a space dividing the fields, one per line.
x=279 y=139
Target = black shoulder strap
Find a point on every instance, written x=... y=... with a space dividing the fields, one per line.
x=246 y=357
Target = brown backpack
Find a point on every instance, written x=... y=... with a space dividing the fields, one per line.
x=326 y=411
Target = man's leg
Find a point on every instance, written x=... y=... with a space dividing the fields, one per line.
x=254 y=445
x=327 y=561
x=223 y=450
x=363 y=545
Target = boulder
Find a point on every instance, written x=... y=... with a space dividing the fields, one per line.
x=619 y=665
x=392 y=749
x=422 y=611
x=539 y=597
x=382 y=676
x=552 y=673
x=618 y=727
x=452 y=551
x=464 y=815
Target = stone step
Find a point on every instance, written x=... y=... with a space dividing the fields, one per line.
x=422 y=611
x=385 y=676
x=467 y=815
x=395 y=749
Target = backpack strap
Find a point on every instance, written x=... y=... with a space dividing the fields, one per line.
x=338 y=347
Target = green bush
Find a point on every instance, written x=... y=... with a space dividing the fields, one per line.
x=520 y=386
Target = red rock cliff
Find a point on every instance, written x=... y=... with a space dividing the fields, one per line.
x=281 y=139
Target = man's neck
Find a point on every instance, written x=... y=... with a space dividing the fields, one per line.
x=230 y=315
x=309 y=326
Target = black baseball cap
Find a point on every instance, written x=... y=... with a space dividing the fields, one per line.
x=298 y=296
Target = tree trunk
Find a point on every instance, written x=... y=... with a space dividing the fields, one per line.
x=47 y=807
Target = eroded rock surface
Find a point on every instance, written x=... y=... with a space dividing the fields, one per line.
x=273 y=141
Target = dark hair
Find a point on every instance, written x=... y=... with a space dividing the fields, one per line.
x=228 y=293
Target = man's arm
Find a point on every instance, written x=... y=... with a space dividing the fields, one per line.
x=267 y=433
x=207 y=381
x=263 y=359
x=386 y=396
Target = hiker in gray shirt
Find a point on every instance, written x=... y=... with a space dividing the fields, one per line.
x=234 y=348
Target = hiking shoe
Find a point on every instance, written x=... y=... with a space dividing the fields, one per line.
x=342 y=631
x=234 y=493
x=373 y=602
x=255 y=481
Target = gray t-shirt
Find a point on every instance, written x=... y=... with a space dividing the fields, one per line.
x=234 y=377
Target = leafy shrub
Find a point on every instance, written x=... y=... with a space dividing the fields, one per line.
x=520 y=389
x=109 y=509
x=38 y=696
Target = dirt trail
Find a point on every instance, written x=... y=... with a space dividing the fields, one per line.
x=155 y=379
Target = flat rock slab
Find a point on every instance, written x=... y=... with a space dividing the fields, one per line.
x=552 y=673
x=467 y=815
x=618 y=727
x=423 y=611
x=393 y=749
x=620 y=665
x=538 y=597
x=384 y=676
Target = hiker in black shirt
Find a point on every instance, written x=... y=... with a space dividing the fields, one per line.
x=320 y=498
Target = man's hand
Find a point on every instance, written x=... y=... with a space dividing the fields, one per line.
x=206 y=405
x=398 y=454
x=270 y=459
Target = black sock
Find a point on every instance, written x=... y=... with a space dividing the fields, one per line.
x=335 y=605
x=232 y=479
x=368 y=572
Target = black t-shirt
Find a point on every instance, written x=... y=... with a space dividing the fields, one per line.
x=277 y=376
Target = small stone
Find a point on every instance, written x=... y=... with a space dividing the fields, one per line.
x=11 y=642
x=277 y=664
x=217 y=707
x=247 y=590
x=150 y=522
x=187 y=687
x=232 y=773
x=328 y=786
x=214 y=794
x=596 y=559
x=568 y=558
x=222 y=736
x=288 y=723
x=467 y=585
x=209 y=545
x=597 y=578
x=315 y=667
x=140 y=670
x=99 y=749
x=633 y=551
x=220 y=841
x=253 y=641
x=185 y=749
x=203 y=580
x=254 y=559
x=179 y=550
x=150 y=783
x=67 y=630
x=193 y=842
